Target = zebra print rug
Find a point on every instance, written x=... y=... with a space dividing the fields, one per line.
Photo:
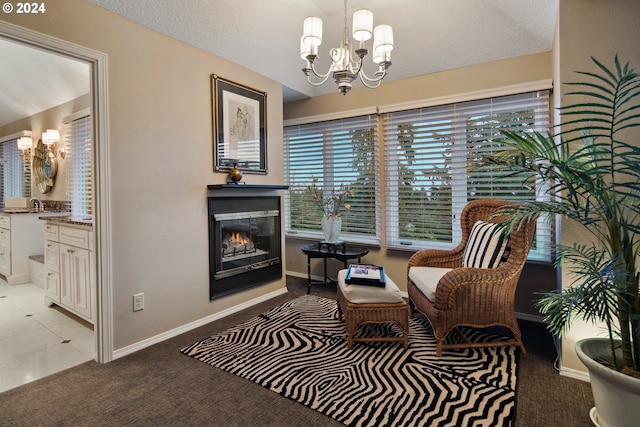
x=299 y=350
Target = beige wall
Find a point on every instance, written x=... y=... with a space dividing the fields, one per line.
x=161 y=162
x=599 y=29
x=431 y=86
x=479 y=78
x=38 y=123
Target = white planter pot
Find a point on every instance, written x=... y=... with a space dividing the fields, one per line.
x=616 y=395
x=331 y=228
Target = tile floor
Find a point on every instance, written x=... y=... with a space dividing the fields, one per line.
x=36 y=340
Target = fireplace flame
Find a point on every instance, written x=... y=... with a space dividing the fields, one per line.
x=236 y=243
x=238 y=238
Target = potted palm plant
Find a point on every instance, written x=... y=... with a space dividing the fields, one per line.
x=592 y=166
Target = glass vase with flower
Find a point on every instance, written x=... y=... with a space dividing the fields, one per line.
x=332 y=205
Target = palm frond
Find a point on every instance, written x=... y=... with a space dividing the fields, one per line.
x=593 y=177
x=592 y=297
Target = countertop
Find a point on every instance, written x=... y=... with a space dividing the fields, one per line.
x=62 y=217
x=28 y=211
x=66 y=219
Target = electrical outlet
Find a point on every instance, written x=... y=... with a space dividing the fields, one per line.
x=138 y=302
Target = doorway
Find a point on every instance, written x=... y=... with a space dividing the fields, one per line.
x=97 y=62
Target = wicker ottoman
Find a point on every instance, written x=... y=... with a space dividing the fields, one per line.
x=365 y=305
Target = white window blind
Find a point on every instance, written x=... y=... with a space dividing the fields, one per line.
x=335 y=152
x=15 y=174
x=78 y=148
x=431 y=168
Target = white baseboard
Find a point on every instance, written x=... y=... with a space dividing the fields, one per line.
x=189 y=326
x=297 y=274
x=575 y=374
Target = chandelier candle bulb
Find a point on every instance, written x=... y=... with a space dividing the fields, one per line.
x=378 y=57
x=383 y=39
x=362 y=24
x=305 y=49
x=312 y=31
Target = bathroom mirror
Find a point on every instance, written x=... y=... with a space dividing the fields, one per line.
x=44 y=168
x=50 y=167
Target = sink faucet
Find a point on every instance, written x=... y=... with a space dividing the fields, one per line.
x=37 y=203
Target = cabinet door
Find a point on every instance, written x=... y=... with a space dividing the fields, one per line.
x=82 y=283
x=5 y=251
x=66 y=276
x=76 y=290
x=52 y=285
x=52 y=255
x=51 y=232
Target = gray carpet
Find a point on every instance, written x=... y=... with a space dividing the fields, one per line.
x=159 y=386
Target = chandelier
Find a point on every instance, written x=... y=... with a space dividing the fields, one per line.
x=346 y=67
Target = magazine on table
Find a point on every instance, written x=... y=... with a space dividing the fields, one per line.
x=365 y=274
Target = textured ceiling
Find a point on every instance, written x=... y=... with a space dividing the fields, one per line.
x=264 y=35
x=429 y=35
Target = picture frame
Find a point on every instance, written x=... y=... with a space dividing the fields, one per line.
x=239 y=127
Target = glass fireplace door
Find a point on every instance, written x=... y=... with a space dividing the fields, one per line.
x=247 y=240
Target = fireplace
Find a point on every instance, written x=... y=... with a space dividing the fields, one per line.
x=244 y=243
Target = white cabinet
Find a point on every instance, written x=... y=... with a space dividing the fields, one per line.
x=52 y=286
x=52 y=263
x=21 y=235
x=51 y=232
x=69 y=271
x=5 y=251
x=76 y=287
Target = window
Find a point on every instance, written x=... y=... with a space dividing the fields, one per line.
x=431 y=171
x=15 y=172
x=78 y=148
x=335 y=152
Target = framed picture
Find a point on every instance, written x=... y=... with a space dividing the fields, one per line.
x=239 y=127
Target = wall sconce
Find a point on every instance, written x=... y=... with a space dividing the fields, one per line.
x=25 y=143
x=49 y=138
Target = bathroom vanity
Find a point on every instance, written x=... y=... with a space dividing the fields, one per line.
x=69 y=266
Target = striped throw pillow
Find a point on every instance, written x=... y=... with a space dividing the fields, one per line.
x=486 y=245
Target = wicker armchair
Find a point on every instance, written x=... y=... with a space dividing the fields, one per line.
x=475 y=297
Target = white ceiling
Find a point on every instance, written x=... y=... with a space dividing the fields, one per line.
x=32 y=80
x=264 y=36
x=429 y=35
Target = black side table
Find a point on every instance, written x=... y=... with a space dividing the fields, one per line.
x=325 y=250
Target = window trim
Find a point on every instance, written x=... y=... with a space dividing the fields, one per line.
x=533 y=86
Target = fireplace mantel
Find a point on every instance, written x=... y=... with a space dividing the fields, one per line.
x=246 y=187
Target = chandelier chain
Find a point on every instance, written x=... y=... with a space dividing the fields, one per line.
x=346 y=27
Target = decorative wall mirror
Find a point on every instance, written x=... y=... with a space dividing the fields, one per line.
x=44 y=167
